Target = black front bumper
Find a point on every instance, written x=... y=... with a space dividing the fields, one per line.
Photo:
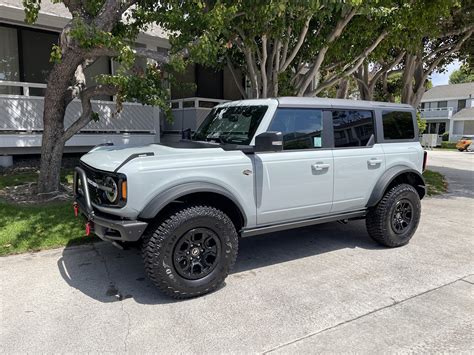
x=104 y=226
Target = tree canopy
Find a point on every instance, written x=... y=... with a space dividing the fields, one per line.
x=464 y=74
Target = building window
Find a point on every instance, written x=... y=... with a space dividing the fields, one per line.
x=442 y=104
x=442 y=128
x=9 y=60
x=461 y=104
x=352 y=128
x=301 y=128
x=36 y=50
x=25 y=57
x=398 y=125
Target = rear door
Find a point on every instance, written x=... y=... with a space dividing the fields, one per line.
x=358 y=161
x=296 y=183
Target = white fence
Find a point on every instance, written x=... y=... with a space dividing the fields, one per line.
x=24 y=113
x=21 y=122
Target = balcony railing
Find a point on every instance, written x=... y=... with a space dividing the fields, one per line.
x=189 y=113
x=24 y=113
x=437 y=113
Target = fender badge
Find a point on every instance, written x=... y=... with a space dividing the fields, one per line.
x=247 y=172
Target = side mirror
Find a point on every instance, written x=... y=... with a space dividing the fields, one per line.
x=269 y=142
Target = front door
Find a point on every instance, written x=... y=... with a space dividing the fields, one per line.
x=296 y=183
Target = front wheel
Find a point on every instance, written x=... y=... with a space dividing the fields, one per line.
x=191 y=251
x=395 y=218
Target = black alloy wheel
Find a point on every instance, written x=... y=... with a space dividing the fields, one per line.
x=197 y=253
x=402 y=216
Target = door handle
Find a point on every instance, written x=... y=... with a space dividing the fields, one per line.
x=374 y=161
x=320 y=166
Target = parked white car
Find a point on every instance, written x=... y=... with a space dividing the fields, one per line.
x=255 y=167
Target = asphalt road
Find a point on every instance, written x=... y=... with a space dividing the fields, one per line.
x=326 y=288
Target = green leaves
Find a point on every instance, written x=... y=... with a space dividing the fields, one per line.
x=147 y=87
x=95 y=116
x=32 y=8
x=56 y=55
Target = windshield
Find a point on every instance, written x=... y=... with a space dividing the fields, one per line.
x=231 y=124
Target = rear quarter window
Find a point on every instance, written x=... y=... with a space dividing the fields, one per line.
x=398 y=125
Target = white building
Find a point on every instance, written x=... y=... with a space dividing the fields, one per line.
x=24 y=67
x=449 y=108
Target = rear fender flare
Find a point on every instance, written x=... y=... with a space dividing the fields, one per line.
x=389 y=176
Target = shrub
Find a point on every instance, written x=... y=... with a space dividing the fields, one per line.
x=448 y=145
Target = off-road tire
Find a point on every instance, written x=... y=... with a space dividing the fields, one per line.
x=379 y=218
x=161 y=239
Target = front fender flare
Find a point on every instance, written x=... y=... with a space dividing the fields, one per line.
x=164 y=198
x=389 y=176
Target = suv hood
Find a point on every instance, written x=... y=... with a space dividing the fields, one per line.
x=110 y=158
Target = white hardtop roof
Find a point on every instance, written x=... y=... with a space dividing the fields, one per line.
x=317 y=102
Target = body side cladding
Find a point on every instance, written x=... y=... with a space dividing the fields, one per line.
x=390 y=175
x=161 y=200
x=302 y=223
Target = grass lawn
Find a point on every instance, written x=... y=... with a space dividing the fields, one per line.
x=436 y=183
x=30 y=228
x=35 y=227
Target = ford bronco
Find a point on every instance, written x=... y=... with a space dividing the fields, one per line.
x=254 y=167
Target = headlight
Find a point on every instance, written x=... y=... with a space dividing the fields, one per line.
x=112 y=190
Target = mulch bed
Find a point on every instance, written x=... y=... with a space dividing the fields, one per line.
x=27 y=194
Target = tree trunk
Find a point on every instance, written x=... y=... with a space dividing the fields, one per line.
x=342 y=89
x=55 y=103
x=52 y=142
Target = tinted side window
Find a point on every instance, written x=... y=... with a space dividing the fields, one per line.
x=352 y=128
x=398 y=125
x=301 y=128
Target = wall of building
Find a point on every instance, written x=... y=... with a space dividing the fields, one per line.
x=231 y=91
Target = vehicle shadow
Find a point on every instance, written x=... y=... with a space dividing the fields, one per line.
x=460 y=182
x=107 y=274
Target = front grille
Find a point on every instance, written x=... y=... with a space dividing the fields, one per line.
x=97 y=196
x=97 y=177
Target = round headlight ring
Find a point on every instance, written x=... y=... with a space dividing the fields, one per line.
x=111 y=195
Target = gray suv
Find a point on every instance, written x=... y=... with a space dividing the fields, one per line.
x=254 y=167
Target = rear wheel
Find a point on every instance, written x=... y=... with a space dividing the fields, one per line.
x=191 y=251
x=395 y=218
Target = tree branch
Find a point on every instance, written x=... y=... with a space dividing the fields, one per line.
x=236 y=79
x=336 y=32
x=285 y=46
x=386 y=68
x=263 y=64
x=350 y=68
x=447 y=54
x=86 y=115
x=298 y=45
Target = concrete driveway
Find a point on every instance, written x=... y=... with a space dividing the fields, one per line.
x=326 y=288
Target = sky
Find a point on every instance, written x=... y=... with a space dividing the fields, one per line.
x=443 y=78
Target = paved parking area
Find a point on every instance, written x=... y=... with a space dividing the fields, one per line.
x=325 y=288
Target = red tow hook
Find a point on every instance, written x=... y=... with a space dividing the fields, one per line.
x=88 y=228
x=76 y=209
